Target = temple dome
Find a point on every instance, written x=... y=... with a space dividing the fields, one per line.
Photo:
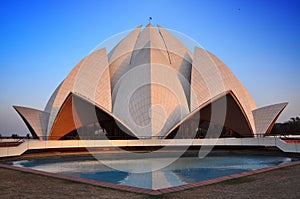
x=146 y=87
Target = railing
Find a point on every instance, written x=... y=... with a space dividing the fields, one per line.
x=10 y=142
x=97 y=137
x=119 y=137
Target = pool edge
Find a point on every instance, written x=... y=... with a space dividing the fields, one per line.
x=149 y=191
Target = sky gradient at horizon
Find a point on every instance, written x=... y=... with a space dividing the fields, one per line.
x=41 y=41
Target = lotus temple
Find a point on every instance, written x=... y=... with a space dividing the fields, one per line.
x=150 y=86
x=142 y=115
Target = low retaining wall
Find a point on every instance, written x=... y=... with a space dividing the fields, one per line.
x=36 y=144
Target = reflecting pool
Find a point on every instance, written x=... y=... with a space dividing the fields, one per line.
x=183 y=171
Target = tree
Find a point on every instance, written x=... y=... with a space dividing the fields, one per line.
x=290 y=127
x=292 y=120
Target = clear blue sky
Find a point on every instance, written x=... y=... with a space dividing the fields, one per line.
x=42 y=40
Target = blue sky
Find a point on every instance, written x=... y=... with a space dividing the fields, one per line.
x=41 y=41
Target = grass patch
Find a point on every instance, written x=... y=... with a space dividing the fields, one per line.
x=239 y=180
x=72 y=182
x=155 y=196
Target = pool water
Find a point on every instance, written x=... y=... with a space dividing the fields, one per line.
x=183 y=171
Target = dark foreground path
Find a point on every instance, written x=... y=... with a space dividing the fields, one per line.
x=279 y=183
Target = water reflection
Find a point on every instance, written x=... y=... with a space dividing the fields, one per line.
x=184 y=170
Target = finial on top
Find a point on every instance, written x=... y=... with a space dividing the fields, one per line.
x=150 y=18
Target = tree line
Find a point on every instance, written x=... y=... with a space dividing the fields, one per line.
x=291 y=127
